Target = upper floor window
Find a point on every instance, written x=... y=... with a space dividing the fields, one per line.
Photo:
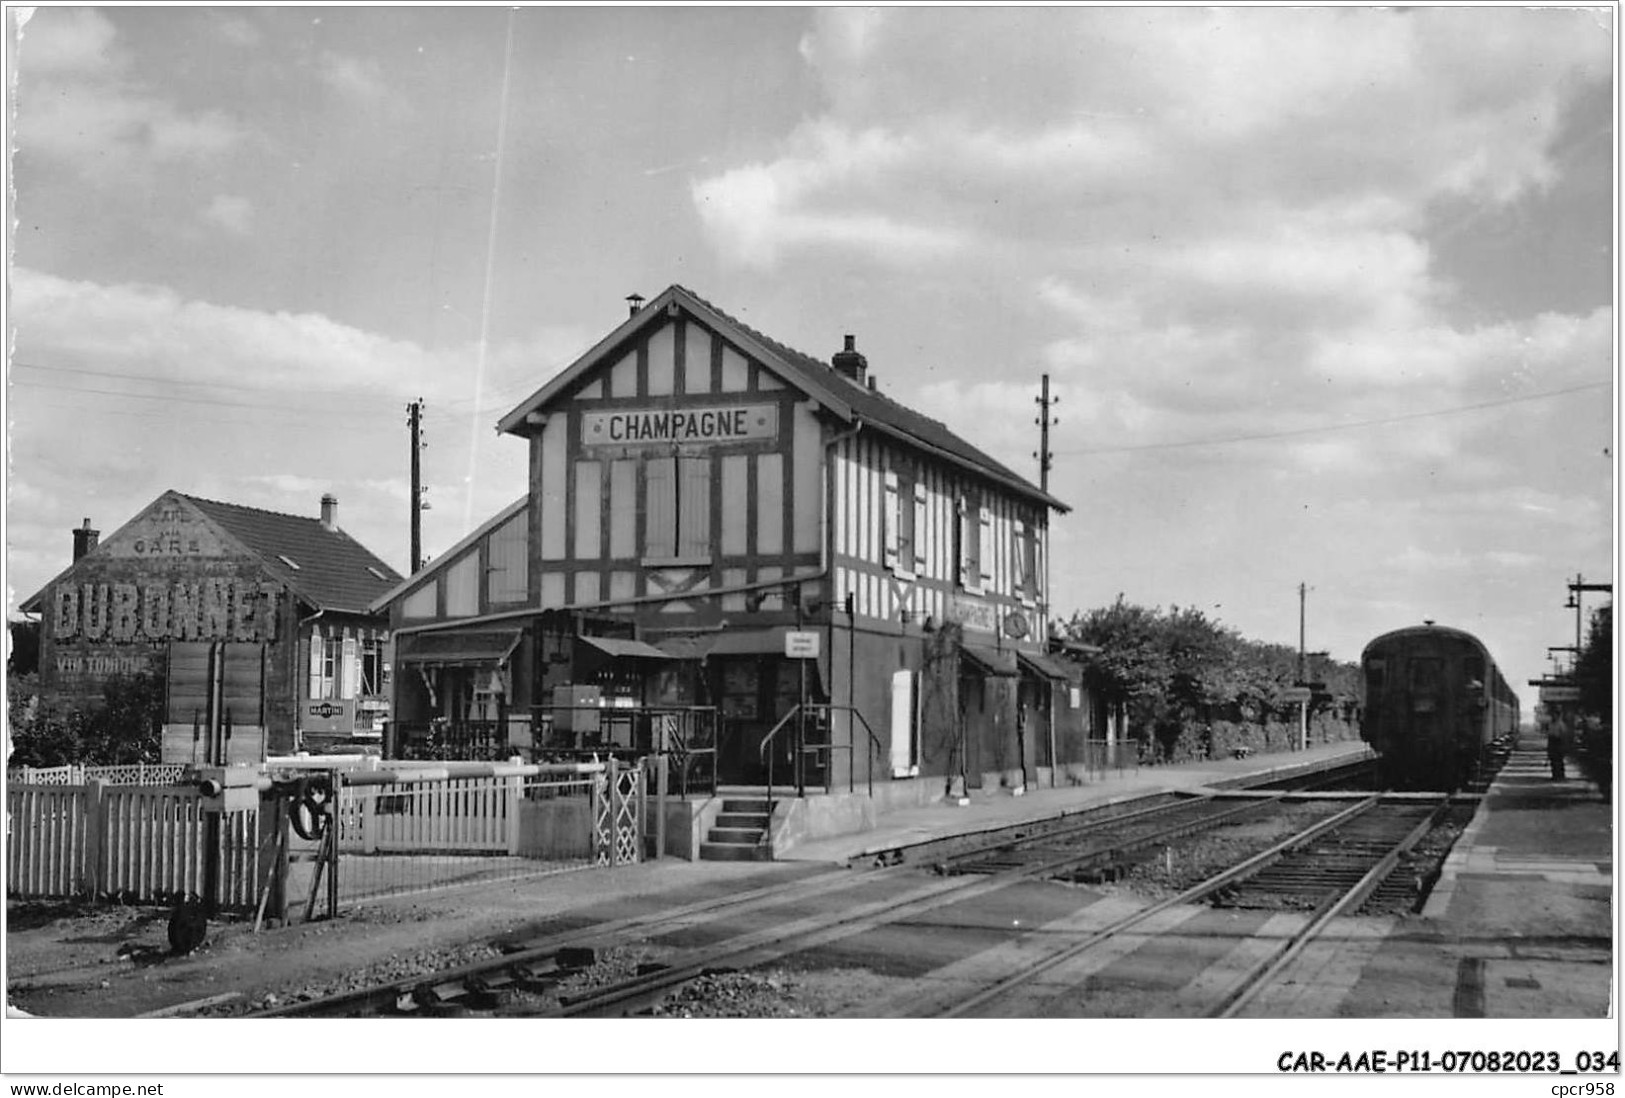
x=326 y=662
x=905 y=500
x=970 y=536
x=1024 y=561
x=677 y=508
x=372 y=667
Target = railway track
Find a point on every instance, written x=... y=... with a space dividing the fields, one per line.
x=874 y=897
x=1329 y=869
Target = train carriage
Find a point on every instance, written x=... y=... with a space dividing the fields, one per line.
x=1435 y=702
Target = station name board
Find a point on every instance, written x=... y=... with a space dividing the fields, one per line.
x=635 y=426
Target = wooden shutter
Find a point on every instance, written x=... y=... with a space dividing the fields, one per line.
x=921 y=524
x=316 y=654
x=890 y=517
x=966 y=547
x=986 y=555
x=660 y=507
x=694 y=508
x=351 y=674
x=1018 y=560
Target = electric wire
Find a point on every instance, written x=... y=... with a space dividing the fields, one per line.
x=1325 y=428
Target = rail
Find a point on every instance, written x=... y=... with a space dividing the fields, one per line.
x=801 y=750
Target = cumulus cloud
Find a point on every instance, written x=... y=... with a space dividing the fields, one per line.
x=82 y=108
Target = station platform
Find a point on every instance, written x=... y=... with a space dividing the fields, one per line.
x=988 y=811
x=1520 y=923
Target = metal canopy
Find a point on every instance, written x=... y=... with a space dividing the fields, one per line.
x=458 y=647
x=619 y=648
x=1049 y=667
x=728 y=642
x=990 y=661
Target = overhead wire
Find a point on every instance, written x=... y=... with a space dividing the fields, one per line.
x=1325 y=428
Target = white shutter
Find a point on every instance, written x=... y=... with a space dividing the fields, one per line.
x=351 y=674
x=315 y=690
x=986 y=559
x=902 y=725
x=921 y=521
x=890 y=517
x=1018 y=561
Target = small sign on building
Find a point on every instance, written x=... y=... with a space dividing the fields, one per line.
x=801 y=645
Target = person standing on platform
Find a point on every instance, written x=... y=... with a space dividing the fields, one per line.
x=1554 y=750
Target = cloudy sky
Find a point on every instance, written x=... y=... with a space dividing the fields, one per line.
x=1325 y=294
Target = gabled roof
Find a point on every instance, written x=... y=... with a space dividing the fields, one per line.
x=335 y=572
x=845 y=398
x=449 y=557
x=329 y=569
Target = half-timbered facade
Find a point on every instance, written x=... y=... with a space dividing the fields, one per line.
x=704 y=500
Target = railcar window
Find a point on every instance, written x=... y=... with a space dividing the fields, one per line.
x=1426 y=674
x=1473 y=668
x=1376 y=672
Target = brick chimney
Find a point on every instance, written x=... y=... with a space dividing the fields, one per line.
x=848 y=363
x=330 y=512
x=84 y=540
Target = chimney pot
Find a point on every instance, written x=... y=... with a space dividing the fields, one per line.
x=849 y=363
x=330 y=512
x=634 y=302
x=84 y=540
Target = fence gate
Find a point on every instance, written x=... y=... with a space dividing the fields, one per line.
x=618 y=815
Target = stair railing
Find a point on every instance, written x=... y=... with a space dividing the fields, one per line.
x=802 y=749
x=765 y=754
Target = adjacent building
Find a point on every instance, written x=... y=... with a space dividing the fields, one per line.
x=716 y=520
x=258 y=623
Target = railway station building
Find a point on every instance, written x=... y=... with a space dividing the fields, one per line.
x=717 y=524
x=257 y=623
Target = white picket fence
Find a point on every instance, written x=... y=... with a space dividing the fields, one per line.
x=462 y=814
x=144 y=843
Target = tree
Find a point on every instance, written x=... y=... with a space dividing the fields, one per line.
x=23 y=659
x=1594 y=675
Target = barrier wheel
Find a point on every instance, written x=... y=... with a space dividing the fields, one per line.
x=188 y=927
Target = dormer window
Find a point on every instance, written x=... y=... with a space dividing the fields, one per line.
x=289 y=561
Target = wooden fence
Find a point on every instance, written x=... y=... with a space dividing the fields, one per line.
x=143 y=843
x=462 y=814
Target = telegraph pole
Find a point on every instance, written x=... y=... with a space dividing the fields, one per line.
x=1045 y=458
x=414 y=421
x=1575 y=589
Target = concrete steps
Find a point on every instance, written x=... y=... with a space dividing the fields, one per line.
x=741 y=832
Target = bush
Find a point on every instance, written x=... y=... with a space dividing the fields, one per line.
x=125 y=728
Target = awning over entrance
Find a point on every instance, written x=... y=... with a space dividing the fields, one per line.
x=453 y=648
x=729 y=642
x=1049 y=667
x=619 y=648
x=989 y=661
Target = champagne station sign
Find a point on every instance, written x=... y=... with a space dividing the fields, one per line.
x=635 y=426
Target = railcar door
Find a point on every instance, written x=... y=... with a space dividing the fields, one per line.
x=1431 y=753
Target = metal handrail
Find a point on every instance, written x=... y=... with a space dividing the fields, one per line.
x=803 y=748
x=764 y=755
